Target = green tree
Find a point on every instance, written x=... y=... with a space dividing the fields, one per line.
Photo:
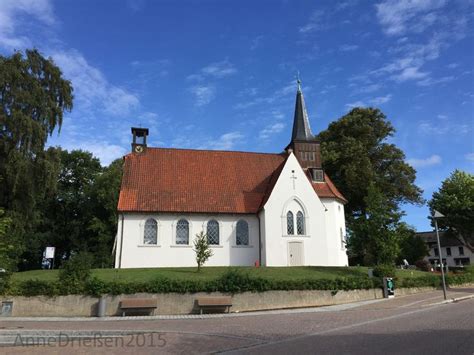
x=7 y=244
x=102 y=227
x=412 y=247
x=358 y=157
x=374 y=236
x=202 y=250
x=69 y=212
x=356 y=154
x=455 y=200
x=33 y=99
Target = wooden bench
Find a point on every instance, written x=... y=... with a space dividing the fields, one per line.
x=138 y=304
x=215 y=302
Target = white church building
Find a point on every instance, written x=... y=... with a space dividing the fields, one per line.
x=256 y=208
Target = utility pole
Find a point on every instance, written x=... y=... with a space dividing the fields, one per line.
x=437 y=215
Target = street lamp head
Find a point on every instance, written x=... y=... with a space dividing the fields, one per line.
x=437 y=214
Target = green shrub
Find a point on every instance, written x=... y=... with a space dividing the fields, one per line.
x=423 y=265
x=36 y=287
x=5 y=280
x=76 y=272
x=462 y=278
x=384 y=271
x=425 y=281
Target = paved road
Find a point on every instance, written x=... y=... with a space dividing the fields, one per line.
x=413 y=324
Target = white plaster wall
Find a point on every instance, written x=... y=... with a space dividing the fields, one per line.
x=275 y=236
x=167 y=254
x=335 y=221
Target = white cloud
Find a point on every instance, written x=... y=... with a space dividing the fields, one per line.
x=381 y=99
x=432 y=81
x=219 y=69
x=443 y=126
x=256 y=42
x=410 y=73
x=136 y=5
x=215 y=70
x=103 y=150
x=226 y=141
x=91 y=89
x=400 y=16
x=315 y=22
x=203 y=94
x=348 y=47
x=271 y=129
x=423 y=163
x=355 y=104
x=470 y=156
x=11 y=21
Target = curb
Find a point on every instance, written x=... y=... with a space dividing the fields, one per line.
x=453 y=300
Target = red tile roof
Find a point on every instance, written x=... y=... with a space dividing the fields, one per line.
x=183 y=180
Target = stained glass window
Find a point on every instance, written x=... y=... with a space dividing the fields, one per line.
x=150 y=235
x=182 y=232
x=242 y=233
x=213 y=232
x=290 y=226
x=300 y=223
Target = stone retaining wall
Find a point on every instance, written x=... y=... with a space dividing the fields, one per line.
x=175 y=303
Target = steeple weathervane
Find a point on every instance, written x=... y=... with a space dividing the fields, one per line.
x=298 y=80
x=301 y=128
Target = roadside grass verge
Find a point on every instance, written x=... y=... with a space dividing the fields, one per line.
x=224 y=279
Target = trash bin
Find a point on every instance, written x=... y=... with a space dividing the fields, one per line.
x=101 y=307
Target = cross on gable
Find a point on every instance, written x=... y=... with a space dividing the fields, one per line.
x=293 y=177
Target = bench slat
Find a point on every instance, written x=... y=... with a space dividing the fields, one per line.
x=138 y=303
x=214 y=301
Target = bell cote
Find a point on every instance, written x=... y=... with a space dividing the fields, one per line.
x=139 y=139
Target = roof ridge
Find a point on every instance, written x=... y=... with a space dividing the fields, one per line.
x=215 y=150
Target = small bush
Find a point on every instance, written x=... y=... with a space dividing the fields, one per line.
x=5 y=279
x=76 y=272
x=423 y=265
x=384 y=271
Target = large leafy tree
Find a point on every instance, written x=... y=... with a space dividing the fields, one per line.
x=368 y=169
x=375 y=233
x=33 y=98
x=69 y=211
x=81 y=216
x=356 y=154
x=7 y=245
x=103 y=225
x=455 y=200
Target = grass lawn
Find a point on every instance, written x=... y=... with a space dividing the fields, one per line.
x=210 y=273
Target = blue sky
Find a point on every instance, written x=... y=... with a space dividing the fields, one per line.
x=221 y=74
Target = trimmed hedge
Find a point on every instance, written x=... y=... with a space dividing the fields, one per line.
x=233 y=281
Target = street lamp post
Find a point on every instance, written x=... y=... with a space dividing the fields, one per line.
x=437 y=215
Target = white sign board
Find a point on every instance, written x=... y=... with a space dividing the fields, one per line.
x=49 y=253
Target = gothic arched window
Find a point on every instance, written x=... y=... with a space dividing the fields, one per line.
x=300 y=223
x=290 y=225
x=242 y=233
x=182 y=232
x=213 y=232
x=150 y=233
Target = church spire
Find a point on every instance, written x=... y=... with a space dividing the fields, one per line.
x=301 y=128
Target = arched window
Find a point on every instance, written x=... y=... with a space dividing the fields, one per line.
x=150 y=234
x=213 y=232
x=242 y=233
x=290 y=225
x=182 y=232
x=300 y=223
